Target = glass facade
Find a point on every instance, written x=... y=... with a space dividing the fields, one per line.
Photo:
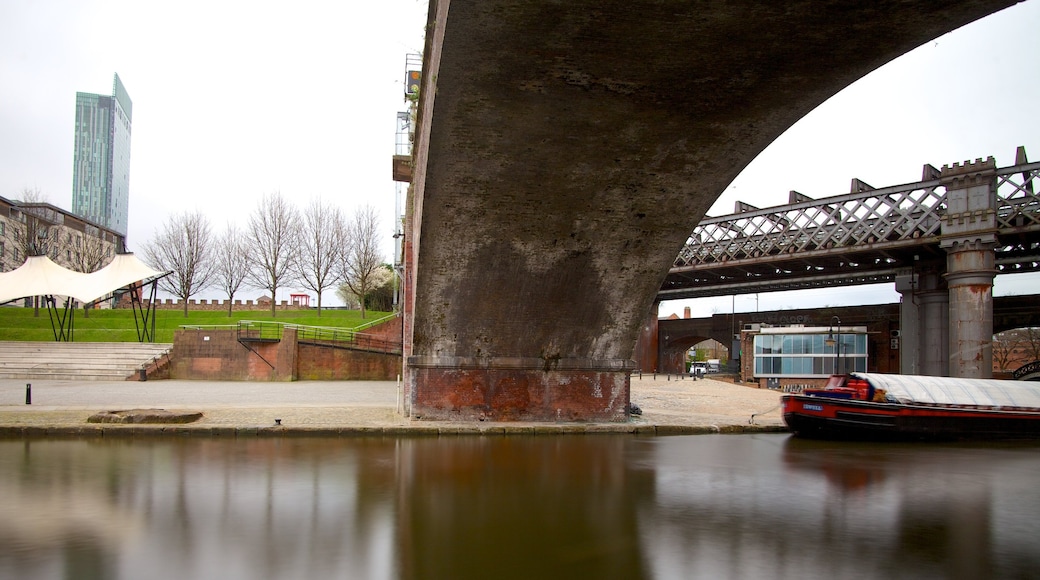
x=101 y=157
x=807 y=355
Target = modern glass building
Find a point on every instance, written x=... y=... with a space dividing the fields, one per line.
x=101 y=157
x=809 y=352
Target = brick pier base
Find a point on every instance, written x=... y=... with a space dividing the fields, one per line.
x=517 y=390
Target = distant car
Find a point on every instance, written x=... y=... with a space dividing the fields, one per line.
x=698 y=368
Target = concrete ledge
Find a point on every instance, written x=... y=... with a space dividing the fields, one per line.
x=424 y=430
x=161 y=416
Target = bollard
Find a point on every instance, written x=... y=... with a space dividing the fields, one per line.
x=28 y=393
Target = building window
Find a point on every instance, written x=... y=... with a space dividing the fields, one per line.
x=808 y=354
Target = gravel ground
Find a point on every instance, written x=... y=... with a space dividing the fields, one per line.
x=669 y=405
x=704 y=402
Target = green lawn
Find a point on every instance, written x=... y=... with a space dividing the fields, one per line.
x=118 y=325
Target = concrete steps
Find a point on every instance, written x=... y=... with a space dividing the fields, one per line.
x=83 y=361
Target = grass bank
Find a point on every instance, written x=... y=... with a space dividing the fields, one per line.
x=118 y=325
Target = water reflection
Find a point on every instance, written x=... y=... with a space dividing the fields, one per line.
x=571 y=506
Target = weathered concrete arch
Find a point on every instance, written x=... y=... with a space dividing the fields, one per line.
x=566 y=150
x=673 y=352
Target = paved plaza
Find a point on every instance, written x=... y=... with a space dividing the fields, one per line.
x=669 y=405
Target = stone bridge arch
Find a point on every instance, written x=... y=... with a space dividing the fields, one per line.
x=564 y=152
x=673 y=352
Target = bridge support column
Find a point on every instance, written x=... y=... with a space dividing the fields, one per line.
x=519 y=389
x=909 y=323
x=934 y=321
x=646 y=353
x=923 y=321
x=969 y=238
x=970 y=278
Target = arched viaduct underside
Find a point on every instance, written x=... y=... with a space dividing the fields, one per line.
x=676 y=336
x=564 y=152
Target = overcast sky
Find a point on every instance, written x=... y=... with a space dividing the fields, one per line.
x=235 y=99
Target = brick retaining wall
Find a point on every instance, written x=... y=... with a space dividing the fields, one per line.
x=217 y=355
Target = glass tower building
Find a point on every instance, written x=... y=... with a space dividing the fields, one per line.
x=101 y=157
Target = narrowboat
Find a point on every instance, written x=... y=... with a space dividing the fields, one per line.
x=877 y=406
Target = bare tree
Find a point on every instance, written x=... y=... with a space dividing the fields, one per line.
x=361 y=260
x=273 y=239
x=348 y=297
x=35 y=236
x=321 y=240
x=1032 y=342
x=183 y=246
x=91 y=251
x=1005 y=345
x=38 y=234
x=231 y=264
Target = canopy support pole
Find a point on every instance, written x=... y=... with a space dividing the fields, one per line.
x=65 y=319
x=144 y=318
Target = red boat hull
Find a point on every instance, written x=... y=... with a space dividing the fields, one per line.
x=832 y=418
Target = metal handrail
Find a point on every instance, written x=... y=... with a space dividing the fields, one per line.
x=256 y=330
x=377 y=321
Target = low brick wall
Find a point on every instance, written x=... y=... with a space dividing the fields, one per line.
x=217 y=355
x=325 y=363
x=214 y=304
x=389 y=331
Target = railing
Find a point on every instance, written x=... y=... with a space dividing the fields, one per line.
x=267 y=331
x=358 y=341
x=377 y=321
x=895 y=216
x=257 y=331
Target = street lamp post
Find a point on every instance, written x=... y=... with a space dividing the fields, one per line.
x=835 y=341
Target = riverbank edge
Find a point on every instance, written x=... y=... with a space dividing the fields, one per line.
x=421 y=430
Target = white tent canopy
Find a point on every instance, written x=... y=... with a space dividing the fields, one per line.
x=39 y=276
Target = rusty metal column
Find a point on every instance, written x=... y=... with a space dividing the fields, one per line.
x=969 y=238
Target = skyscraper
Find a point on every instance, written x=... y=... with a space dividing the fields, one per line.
x=101 y=158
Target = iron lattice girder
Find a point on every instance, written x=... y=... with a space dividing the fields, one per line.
x=856 y=238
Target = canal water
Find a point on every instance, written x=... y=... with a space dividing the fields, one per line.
x=593 y=506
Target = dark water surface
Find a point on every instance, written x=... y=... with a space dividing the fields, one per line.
x=725 y=506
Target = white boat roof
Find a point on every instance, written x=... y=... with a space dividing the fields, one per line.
x=991 y=393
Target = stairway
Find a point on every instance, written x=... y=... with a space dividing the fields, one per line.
x=79 y=361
